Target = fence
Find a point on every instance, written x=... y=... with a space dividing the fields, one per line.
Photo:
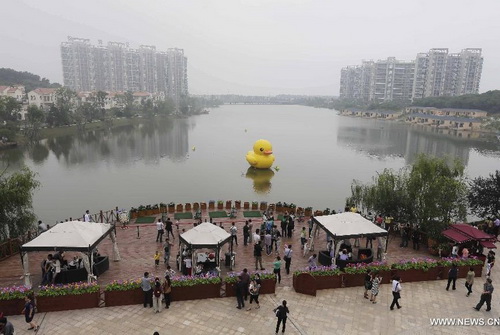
x=12 y=246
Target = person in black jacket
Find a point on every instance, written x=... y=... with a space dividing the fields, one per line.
x=240 y=289
x=281 y=313
x=452 y=276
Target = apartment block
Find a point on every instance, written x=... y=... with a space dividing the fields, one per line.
x=117 y=67
x=431 y=74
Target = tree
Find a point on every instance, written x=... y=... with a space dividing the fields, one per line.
x=127 y=102
x=9 y=109
x=166 y=107
x=34 y=120
x=432 y=192
x=484 y=195
x=65 y=104
x=16 y=208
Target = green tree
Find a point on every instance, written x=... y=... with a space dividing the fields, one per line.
x=34 y=120
x=16 y=208
x=9 y=109
x=65 y=103
x=484 y=195
x=127 y=103
x=147 y=108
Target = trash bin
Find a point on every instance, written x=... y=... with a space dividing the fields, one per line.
x=228 y=259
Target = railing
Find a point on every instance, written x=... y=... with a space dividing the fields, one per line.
x=12 y=246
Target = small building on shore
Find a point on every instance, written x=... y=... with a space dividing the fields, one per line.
x=444 y=121
x=457 y=112
x=372 y=114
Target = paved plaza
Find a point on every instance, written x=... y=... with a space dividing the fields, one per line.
x=335 y=311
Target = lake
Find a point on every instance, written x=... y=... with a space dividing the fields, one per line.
x=202 y=158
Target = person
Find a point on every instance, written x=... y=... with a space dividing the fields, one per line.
x=452 y=276
x=256 y=236
x=166 y=250
x=377 y=279
x=189 y=264
x=29 y=312
x=167 y=289
x=157 y=257
x=311 y=262
x=465 y=253
x=291 y=226
x=257 y=252
x=245 y=278
x=268 y=241
x=278 y=241
x=486 y=296
x=250 y=231
x=253 y=289
x=234 y=230
x=416 y=239
x=281 y=313
x=240 y=287
x=42 y=227
x=169 y=272
x=284 y=227
x=159 y=231
x=57 y=263
x=277 y=269
x=274 y=237
x=49 y=269
x=469 y=280
x=6 y=327
x=169 y=228
x=310 y=224
x=396 y=292
x=146 y=290
x=303 y=238
x=246 y=233
x=287 y=255
x=490 y=262
x=454 y=251
x=367 y=284
x=157 y=295
x=87 y=217
x=344 y=256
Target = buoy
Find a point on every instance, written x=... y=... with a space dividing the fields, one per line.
x=276 y=168
x=194 y=148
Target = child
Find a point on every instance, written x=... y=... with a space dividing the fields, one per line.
x=157 y=257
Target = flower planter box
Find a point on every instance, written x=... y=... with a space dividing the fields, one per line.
x=156 y=211
x=292 y=210
x=211 y=205
x=318 y=213
x=67 y=302
x=353 y=280
x=478 y=269
x=255 y=206
x=246 y=205
x=230 y=289
x=308 y=212
x=11 y=307
x=268 y=286
x=263 y=206
x=279 y=208
x=413 y=275
x=271 y=207
x=203 y=206
x=285 y=209
x=386 y=276
x=196 y=206
x=121 y=298
x=195 y=292
x=149 y=212
x=141 y=213
x=229 y=204
x=220 y=205
x=443 y=272
x=179 y=208
x=327 y=282
x=187 y=207
x=237 y=204
x=304 y=283
x=133 y=215
x=171 y=209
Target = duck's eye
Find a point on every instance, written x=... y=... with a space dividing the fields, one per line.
x=261 y=149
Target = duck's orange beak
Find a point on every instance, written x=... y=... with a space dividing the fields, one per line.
x=268 y=152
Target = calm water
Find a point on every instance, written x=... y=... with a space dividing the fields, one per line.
x=203 y=158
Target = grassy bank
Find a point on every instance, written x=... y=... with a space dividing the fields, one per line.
x=73 y=129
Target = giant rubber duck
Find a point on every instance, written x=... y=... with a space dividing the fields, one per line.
x=262 y=155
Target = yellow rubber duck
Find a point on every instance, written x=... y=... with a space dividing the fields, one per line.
x=262 y=155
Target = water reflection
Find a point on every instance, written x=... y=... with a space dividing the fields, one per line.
x=382 y=139
x=261 y=179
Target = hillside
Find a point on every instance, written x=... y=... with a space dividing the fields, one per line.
x=29 y=80
x=489 y=102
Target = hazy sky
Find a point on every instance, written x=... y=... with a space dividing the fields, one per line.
x=261 y=47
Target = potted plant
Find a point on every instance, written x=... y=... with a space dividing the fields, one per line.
x=127 y=292
x=220 y=204
x=179 y=208
x=286 y=207
x=354 y=275
x=171 y=207
x=163 y=207
x=237 y=204
x=263 y=205
x=196 y=206
x=271 y=207
x=211 y=204
x=279 y=207
x=318 y=213
x=68 y=296
x=203 y=206
x=326 y=277
x=463 y=265
x=246 y=205
x=229 y=204
x=326 y=211
x=192 y=287
x=255 y=205
x=156 y=209
x=292 y=207
x=12 y=299
x=149 y=210
x=133 y=212
x=141 y=211
x=187 y=207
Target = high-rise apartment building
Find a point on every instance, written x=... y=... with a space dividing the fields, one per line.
x=431 y=74
x=117 y=67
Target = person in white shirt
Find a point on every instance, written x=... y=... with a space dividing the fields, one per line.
x=87 y=217
x=234 y=230
x=256 y=236
x=160 y=230
x=396 y=295
x=311 y=262
x=189 y=265
x=344 y=256
x=287 y=255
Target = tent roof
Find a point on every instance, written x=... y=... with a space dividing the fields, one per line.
x=348 y=225
x=70 y=236
x=472 y=232
x=205 y=235
x=456 y=235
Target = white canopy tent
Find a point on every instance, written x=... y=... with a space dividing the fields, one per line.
x=346 y=226
x=206 y=235
x=71 y=236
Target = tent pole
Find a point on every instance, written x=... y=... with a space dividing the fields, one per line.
x=313 y=233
